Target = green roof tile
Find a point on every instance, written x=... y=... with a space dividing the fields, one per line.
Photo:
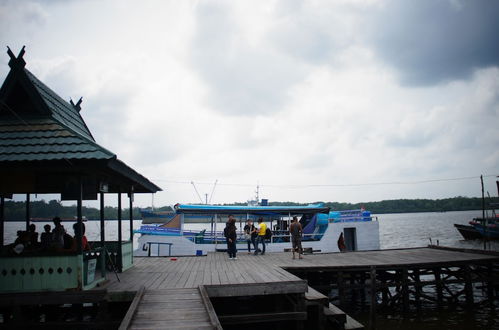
x=38 y=139
x=61 y=109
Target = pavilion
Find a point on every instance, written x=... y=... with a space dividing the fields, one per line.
x=46 y=148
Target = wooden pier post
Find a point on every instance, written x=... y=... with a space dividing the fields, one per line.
x=341 y=289
x=362 y=287
x=490 y=278
x=405 y=290
x=417 y=288
x=438 y=285
x=468 y=286
x=372 y=311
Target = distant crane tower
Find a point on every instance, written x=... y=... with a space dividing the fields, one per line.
x=205 y=195
x=197 y=192
x=212 y=191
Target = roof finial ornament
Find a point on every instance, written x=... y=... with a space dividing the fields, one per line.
x=17 y=61
x=77 y=106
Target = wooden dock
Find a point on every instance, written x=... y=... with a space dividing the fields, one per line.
x=216 y=269
x=166 y=278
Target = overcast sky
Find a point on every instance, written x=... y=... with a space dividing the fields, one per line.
x=348 y=101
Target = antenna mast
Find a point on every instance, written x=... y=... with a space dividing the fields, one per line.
x=192 y=182
x=257 y=194
x=213 y=190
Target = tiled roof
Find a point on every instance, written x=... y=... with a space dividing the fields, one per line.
x=45 y=139
x=61 y=109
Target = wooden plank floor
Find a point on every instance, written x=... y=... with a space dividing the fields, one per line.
x=190 y=272
x=382 y=259
x=171 y=309
x=216 y=269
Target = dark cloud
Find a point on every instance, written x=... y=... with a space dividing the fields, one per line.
x=433 y=41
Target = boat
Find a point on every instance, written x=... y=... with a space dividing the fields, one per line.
x=321 y=229
x=161 y=217
x=487 y=227
x=156 y=216
x=468 y=232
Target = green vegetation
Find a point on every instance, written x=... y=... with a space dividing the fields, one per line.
x=407 y=205
x=16 y=211
x=417 y=205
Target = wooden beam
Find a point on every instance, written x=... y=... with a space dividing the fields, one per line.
x=52 y=298
x=127 y=320
x=262 y=317
x=257 y=289
x=73 y=325
x=209 y=308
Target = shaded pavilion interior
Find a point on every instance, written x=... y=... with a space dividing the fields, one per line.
x=47 y=148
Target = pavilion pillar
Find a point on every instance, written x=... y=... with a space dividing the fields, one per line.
x=131 y=219
x=131 y=216
x=28 y=213
x=102 y=228
x=2 y=219
x=120 y=252
x=102 y=237
x=79 y=219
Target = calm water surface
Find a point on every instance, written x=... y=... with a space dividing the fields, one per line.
x=396 y=231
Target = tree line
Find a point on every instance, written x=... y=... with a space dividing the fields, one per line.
x=406 y=205
x=16 y=210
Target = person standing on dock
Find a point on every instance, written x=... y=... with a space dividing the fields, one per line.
x=296 y=232
x=231 y=237
x=250 y=235
x=262 y=228
x=341 y=243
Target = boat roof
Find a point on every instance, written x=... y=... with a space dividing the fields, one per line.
x=255 y=210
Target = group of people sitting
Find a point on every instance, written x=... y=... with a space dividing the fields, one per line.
x=256 y=235
x=56 y=239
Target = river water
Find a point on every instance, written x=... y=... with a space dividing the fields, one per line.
x=396 y=231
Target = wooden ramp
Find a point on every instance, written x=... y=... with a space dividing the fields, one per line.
x=186 y=308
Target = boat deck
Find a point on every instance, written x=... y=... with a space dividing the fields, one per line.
x=217 y=270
